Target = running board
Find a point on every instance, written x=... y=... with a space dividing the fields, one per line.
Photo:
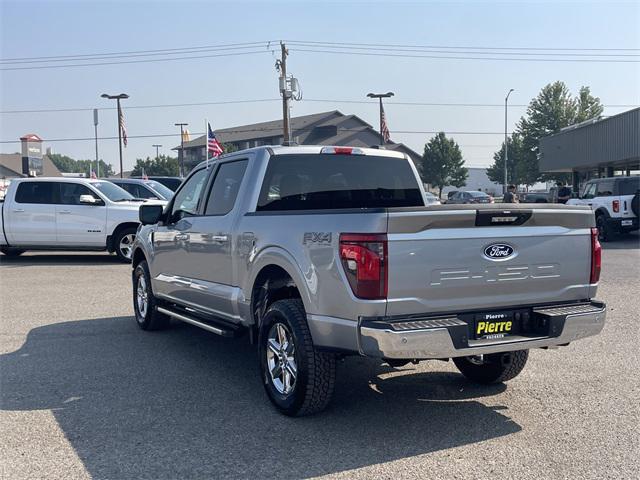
x=224 y=332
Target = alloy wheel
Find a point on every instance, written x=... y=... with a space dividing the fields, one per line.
x=281 y=362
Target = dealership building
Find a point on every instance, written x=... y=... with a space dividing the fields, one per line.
x=600 y=147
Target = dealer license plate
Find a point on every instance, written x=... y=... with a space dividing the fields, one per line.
x=494 y=325
x=626 y=223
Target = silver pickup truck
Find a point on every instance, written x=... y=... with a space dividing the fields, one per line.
x=320 y=252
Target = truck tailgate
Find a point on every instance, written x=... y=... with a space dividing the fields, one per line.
x=468 y=257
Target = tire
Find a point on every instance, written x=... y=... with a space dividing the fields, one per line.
x=634 y=204
x=11 y=252
x=144 y=302
x=286 y=351
x=494 y=368
x=605 y=234
x=123 y=243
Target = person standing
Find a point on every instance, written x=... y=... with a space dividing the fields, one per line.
x=511 y=196
x=564 y=193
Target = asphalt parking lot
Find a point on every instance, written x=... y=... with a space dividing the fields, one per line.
x=85 y=393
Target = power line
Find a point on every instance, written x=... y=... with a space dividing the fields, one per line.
x=134 y=61
x=275 y=130
x=448 y=57
x=167 y=50
x=473 y=52
x=316 y=100
x=463 y=46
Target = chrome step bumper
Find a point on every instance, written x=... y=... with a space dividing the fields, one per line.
x=449 y=336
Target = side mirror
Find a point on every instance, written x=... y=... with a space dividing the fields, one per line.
x=89 y=200
x=150 y=214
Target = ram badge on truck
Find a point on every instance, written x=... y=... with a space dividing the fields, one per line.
x=321 y=252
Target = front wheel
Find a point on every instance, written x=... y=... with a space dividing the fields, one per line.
x=493 y=368
x=123 y=243
x=144 y=302
x=298 y=378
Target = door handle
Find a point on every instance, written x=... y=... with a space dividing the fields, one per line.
x=182 y=236
x=18 y=210
x=64 y=212
x=220 y=238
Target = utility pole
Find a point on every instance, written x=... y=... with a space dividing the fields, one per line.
x=95 y=129
x=380 y=96
x=506 y=142
x=117 y=98
x=181 y=156
x=286 y=133
x=157 y=147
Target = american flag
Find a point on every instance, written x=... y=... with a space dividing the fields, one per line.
x=123 y=129
x=214 y=148
x=384 y=129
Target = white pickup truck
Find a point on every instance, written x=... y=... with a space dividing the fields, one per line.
x=68 y=214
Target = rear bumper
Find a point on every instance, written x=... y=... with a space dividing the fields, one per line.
x=623 y=224
x=451 y=336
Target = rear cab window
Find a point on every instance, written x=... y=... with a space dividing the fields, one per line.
x=318 y=181
x=35 y=192
x=628 y=186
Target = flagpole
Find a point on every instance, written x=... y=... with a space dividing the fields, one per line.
x=206 y=142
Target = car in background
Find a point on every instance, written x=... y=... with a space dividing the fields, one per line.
x=451 y=194
x=535 y=197
x=431 y=199
x=147 y=189
x=171 y=183
x=470 y=196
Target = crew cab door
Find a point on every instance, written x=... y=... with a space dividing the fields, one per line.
x=30 y=218
x=170 y=272
x=80 y=224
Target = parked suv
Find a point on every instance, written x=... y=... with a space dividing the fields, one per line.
x=140 y=188
x=614 y=201
x=321 y=252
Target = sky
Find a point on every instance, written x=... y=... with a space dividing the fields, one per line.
x=56 y=28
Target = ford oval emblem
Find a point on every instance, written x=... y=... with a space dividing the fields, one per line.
x=498 y=251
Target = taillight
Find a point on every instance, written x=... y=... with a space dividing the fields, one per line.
x=342 y=151
x=364 y=259
x=596 y=257
x=616 y=206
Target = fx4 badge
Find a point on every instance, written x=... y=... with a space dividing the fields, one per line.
x=498 y=251
x=316 y=237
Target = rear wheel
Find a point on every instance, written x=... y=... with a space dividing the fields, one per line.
x=144 y=302
x=605 y=233
x=494 y=368
x=123 y=243
x=11 y=252
x=297 y=378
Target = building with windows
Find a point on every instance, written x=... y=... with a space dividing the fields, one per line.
x=327 y=128
x=600 y=147
x=11 y=166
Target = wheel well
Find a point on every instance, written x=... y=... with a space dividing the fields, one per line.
x=137 y=257
x=273 y=283
x=602 y=211
x=112 y=238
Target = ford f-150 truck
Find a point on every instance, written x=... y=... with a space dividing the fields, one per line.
x=68 y=214
x=321 y=252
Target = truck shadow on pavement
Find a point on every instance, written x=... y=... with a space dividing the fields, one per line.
x=184 y=403
x=56 y=259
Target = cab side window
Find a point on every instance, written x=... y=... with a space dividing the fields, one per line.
x=35 y=192
x=589 y=191
x=225 y=188
x=70 y=193
x=187 y=200
x=604 y=189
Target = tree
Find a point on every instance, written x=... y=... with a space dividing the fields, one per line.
x=69 y=165
x=553 y=109
x=164 y=166
x=518 y=171
x=442 y=163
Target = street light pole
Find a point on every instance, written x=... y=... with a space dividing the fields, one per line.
x=181 y=159
x=117 y=98
x=157 y=147
x=95 y=129
x=380 y=96
x=506 y=142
